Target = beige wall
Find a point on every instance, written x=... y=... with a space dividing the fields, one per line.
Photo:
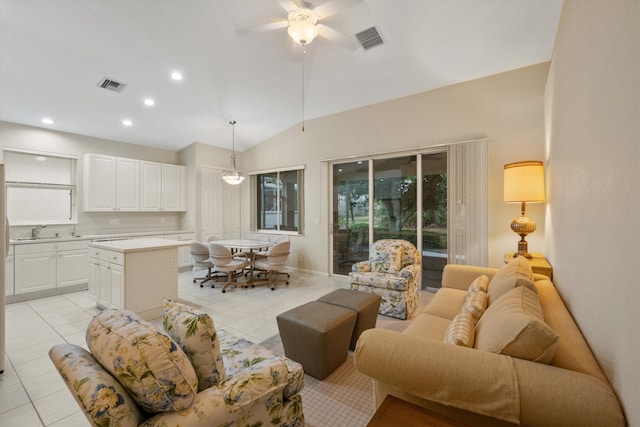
x=506 y=108
x=593 y=130
x=13 y=135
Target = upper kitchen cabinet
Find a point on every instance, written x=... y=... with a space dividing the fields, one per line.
x=162 y=187
x=120 y=184
x=111 y=183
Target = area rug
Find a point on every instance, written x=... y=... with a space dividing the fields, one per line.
x=345 y=397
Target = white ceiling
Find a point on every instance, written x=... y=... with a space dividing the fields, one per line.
x=53 y=53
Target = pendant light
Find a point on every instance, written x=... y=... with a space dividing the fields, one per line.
x=233 y=177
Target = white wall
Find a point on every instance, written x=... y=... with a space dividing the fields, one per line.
x=13 y=135
x=593 y=136
x=506 y=108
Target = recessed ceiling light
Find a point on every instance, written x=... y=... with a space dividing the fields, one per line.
x=176 y=75
x=127 y=122
x=47 y=121
x=149 y=102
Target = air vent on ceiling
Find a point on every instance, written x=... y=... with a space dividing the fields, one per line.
x=369 y=38
x=113 y=85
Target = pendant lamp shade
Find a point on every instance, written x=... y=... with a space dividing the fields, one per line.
x=233 y=177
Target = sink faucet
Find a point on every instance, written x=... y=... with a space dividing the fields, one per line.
x=35 y=231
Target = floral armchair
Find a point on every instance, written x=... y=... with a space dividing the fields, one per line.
x=392 y=271
x=188 y=375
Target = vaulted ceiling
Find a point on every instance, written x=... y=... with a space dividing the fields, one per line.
x=54 y=54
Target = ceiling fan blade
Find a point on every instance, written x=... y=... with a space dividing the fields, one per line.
x=269 y=26
x=332 y=7
x=349 y=42
x=289 y=5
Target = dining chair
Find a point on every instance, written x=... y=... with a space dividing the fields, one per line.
x=225 y=261
x=273 y=263
x=200 y=254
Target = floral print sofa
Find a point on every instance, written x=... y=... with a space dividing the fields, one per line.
x=392 y=271
x=188 y=374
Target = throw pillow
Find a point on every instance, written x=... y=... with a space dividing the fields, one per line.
x=146 y=361
x=195 y=333
x=514 y=325
x=387 y=259
x=461 y=330
x=475 y=303
x=516 y=273
x=480 y=284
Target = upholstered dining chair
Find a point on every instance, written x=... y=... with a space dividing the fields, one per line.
x=225 y=261
x=200 y=254
x=272 y=264
x=393 y=272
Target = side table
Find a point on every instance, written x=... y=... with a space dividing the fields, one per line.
x=539 y=263
x=395 y=412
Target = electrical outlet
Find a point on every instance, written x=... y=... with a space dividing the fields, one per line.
x=114 y=221
x=170 y=264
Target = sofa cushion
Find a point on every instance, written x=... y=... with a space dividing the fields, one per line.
x=514 y=325
x=386 y=259
x=516 y=273
x=461 y=330
x=146 y=361
x=428 y=326
x=446 y=303
x=195 y=333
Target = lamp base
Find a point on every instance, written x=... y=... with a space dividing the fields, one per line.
x=523 y=226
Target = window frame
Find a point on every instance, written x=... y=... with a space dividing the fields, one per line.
x=28 y=184
x=255 y=205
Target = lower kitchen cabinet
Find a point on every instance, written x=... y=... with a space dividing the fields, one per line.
x=42 y=266
x=184 y=256
x=106 y=278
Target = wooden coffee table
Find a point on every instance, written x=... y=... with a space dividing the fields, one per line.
x=396 y=412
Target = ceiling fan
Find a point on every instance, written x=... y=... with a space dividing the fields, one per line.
x=304 y=22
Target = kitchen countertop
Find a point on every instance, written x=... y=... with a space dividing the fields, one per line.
x=136 y=245
x=105 y=237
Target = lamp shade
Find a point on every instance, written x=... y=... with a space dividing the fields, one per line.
x=524 y=182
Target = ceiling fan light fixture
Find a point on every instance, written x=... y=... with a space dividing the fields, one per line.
x=302 y=25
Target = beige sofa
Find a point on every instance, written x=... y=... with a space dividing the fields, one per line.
x=484 y=388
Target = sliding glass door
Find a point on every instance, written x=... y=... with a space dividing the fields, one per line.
x=402 y=197
x=350 y=215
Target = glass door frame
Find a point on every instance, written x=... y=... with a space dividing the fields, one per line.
x=371 y=173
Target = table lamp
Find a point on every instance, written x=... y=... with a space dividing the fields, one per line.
x=523 y=182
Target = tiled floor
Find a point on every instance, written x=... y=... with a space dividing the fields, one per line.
x=33 y=394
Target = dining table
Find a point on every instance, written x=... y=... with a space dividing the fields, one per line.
x=244 y=245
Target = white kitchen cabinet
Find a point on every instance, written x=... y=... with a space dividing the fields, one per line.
x=135 y=274
x=150 y=186
x=111 y=183
x=8 y=272
x=174 y=188
x=106 y=278
x=184 y=256
x=99 y=183
x=127 y=184
x=71 y=267
x=162 y=187
x=41 y=266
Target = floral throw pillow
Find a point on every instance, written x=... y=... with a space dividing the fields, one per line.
x=146 y=361
x=195 y=333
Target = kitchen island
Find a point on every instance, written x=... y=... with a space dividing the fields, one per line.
x=134 y=274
